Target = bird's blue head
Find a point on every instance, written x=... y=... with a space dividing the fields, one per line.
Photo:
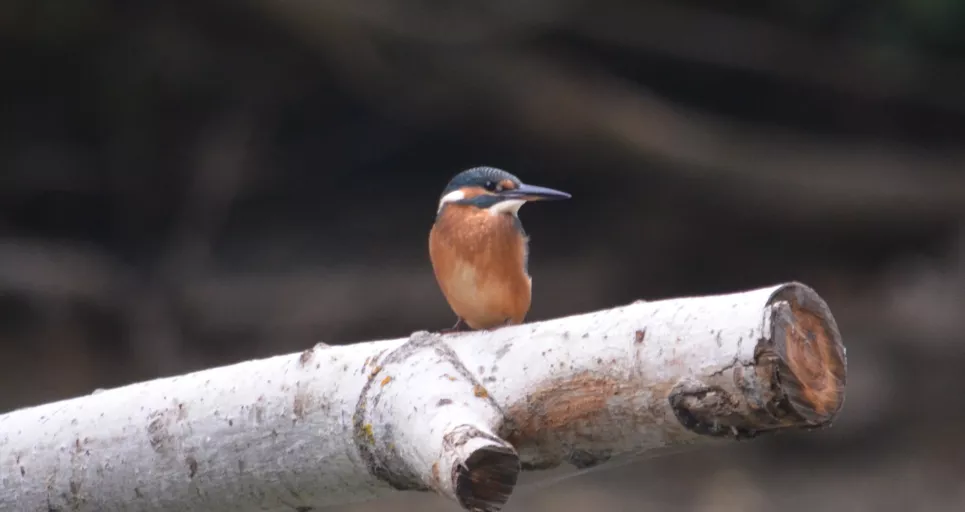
x=495 y=190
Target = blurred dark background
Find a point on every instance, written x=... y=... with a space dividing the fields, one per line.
x=186 y=184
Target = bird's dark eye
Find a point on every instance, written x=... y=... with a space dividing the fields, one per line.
x=491 y=186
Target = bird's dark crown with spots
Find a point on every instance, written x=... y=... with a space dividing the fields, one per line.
x=484 y=177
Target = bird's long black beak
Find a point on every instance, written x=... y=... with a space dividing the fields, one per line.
x=534 y=193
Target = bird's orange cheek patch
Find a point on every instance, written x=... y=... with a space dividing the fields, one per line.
x=507 y=185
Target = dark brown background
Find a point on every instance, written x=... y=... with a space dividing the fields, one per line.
x=192 y=183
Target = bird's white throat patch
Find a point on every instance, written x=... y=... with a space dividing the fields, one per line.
x=510 y=206
x=455 y=195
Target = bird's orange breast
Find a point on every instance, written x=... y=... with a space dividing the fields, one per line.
x=479 y=261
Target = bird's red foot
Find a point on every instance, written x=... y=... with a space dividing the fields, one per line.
x=460 y=326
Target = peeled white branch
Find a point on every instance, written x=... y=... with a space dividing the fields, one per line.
x=460 y=414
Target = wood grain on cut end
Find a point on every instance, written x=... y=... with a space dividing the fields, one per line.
x=486 y=480
x=812 y=368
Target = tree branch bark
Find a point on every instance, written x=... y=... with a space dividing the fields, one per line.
x=460 y=414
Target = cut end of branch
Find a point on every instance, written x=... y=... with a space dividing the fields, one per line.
x=810 y=357
x=486 y=479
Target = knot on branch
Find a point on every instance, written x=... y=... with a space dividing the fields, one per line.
x=709 y=410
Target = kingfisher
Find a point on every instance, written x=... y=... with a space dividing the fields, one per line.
x=479 y=250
